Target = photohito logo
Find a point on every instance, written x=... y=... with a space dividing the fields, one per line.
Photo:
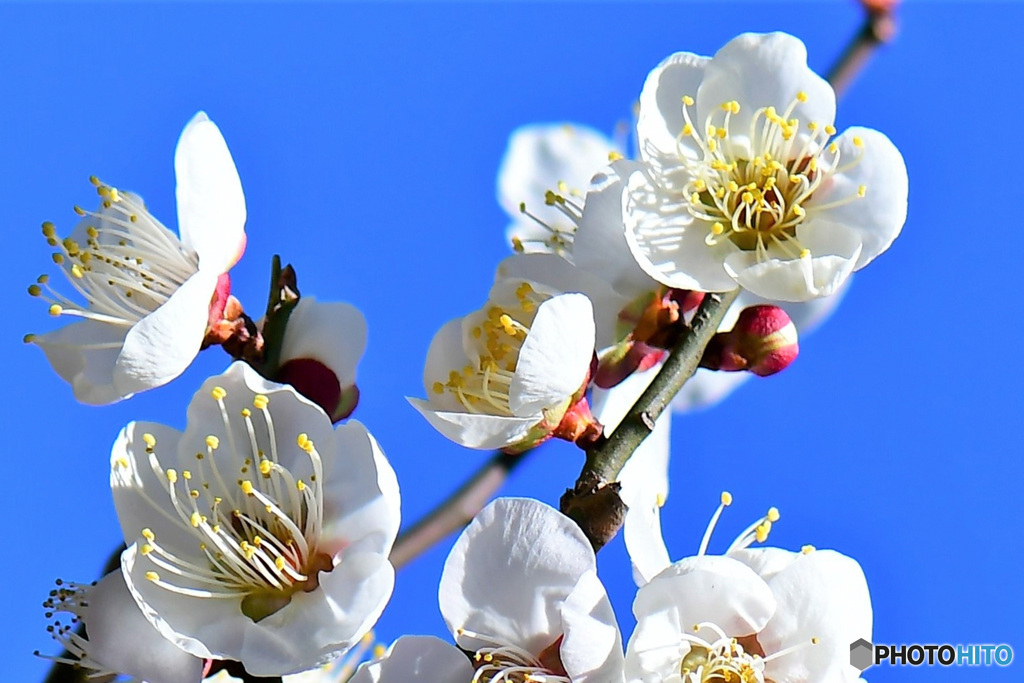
x=863 y=654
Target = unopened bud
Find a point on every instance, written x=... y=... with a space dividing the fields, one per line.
x=763 y=341
x=319 y=384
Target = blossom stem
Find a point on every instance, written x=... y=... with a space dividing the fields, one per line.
x=457 y=510
x=590 y=502
x=879 y=28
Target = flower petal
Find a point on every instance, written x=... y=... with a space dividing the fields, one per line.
x=709 y=588
x=668 y=243
x=122 y=640
x=644 y=478
x=767 y=562
x=600 y=246
x=878 y=218
x=834 y=250
x=446 y=353
x=293 y=414
x=540 y=156
x=557 y=274
x=820 y=595
x=211 y=206
x=159 y=347
x=84 y=355
x=764 y=70
x=591 y=651
x=695 y=590
x=645 y=544
x=310 y=630
x=140 y=487
x=707 y=388
x=660 y=120
x=509 y=573
x=361 y=500
x=333 y=333
x=485 y=432
x=417 y=659
x=555 y=357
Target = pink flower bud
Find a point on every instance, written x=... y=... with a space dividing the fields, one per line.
x=763 y=341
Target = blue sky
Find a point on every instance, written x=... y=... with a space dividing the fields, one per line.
x=367 y=138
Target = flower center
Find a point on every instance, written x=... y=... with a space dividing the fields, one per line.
x=120 y=259
x=722 y=661
x=257 y=539
x=496 y=336
x=753 y=188
x=510 y=664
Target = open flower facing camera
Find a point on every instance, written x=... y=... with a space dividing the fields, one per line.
x=150 y=295
x=746 y=181
x=260 y=534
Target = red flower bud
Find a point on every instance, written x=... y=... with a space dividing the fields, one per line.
x=763 y=341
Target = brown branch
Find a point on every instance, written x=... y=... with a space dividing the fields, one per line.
x=457 y=510
x=596 y=507
x=879 y=28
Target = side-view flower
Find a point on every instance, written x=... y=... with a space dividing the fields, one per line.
x=118 y=638
x=149 y=294
x=260 y=534
x=506 y=375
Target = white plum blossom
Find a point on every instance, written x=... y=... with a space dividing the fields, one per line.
x=505 y=375
x=746 y=182
x=520 y=594
x=260 y=534
x=543 y=179
x=762 y=615
x=119 y=640
x=149 y=294
x=320 y=352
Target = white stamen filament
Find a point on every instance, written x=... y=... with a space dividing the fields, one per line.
x=125 y=263
x=496 y=335
x=758 y=531
x=258 y=536
x=755 y=190
x=560 y=236
x=502 y=663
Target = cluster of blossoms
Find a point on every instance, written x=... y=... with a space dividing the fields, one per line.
x=259 y=537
